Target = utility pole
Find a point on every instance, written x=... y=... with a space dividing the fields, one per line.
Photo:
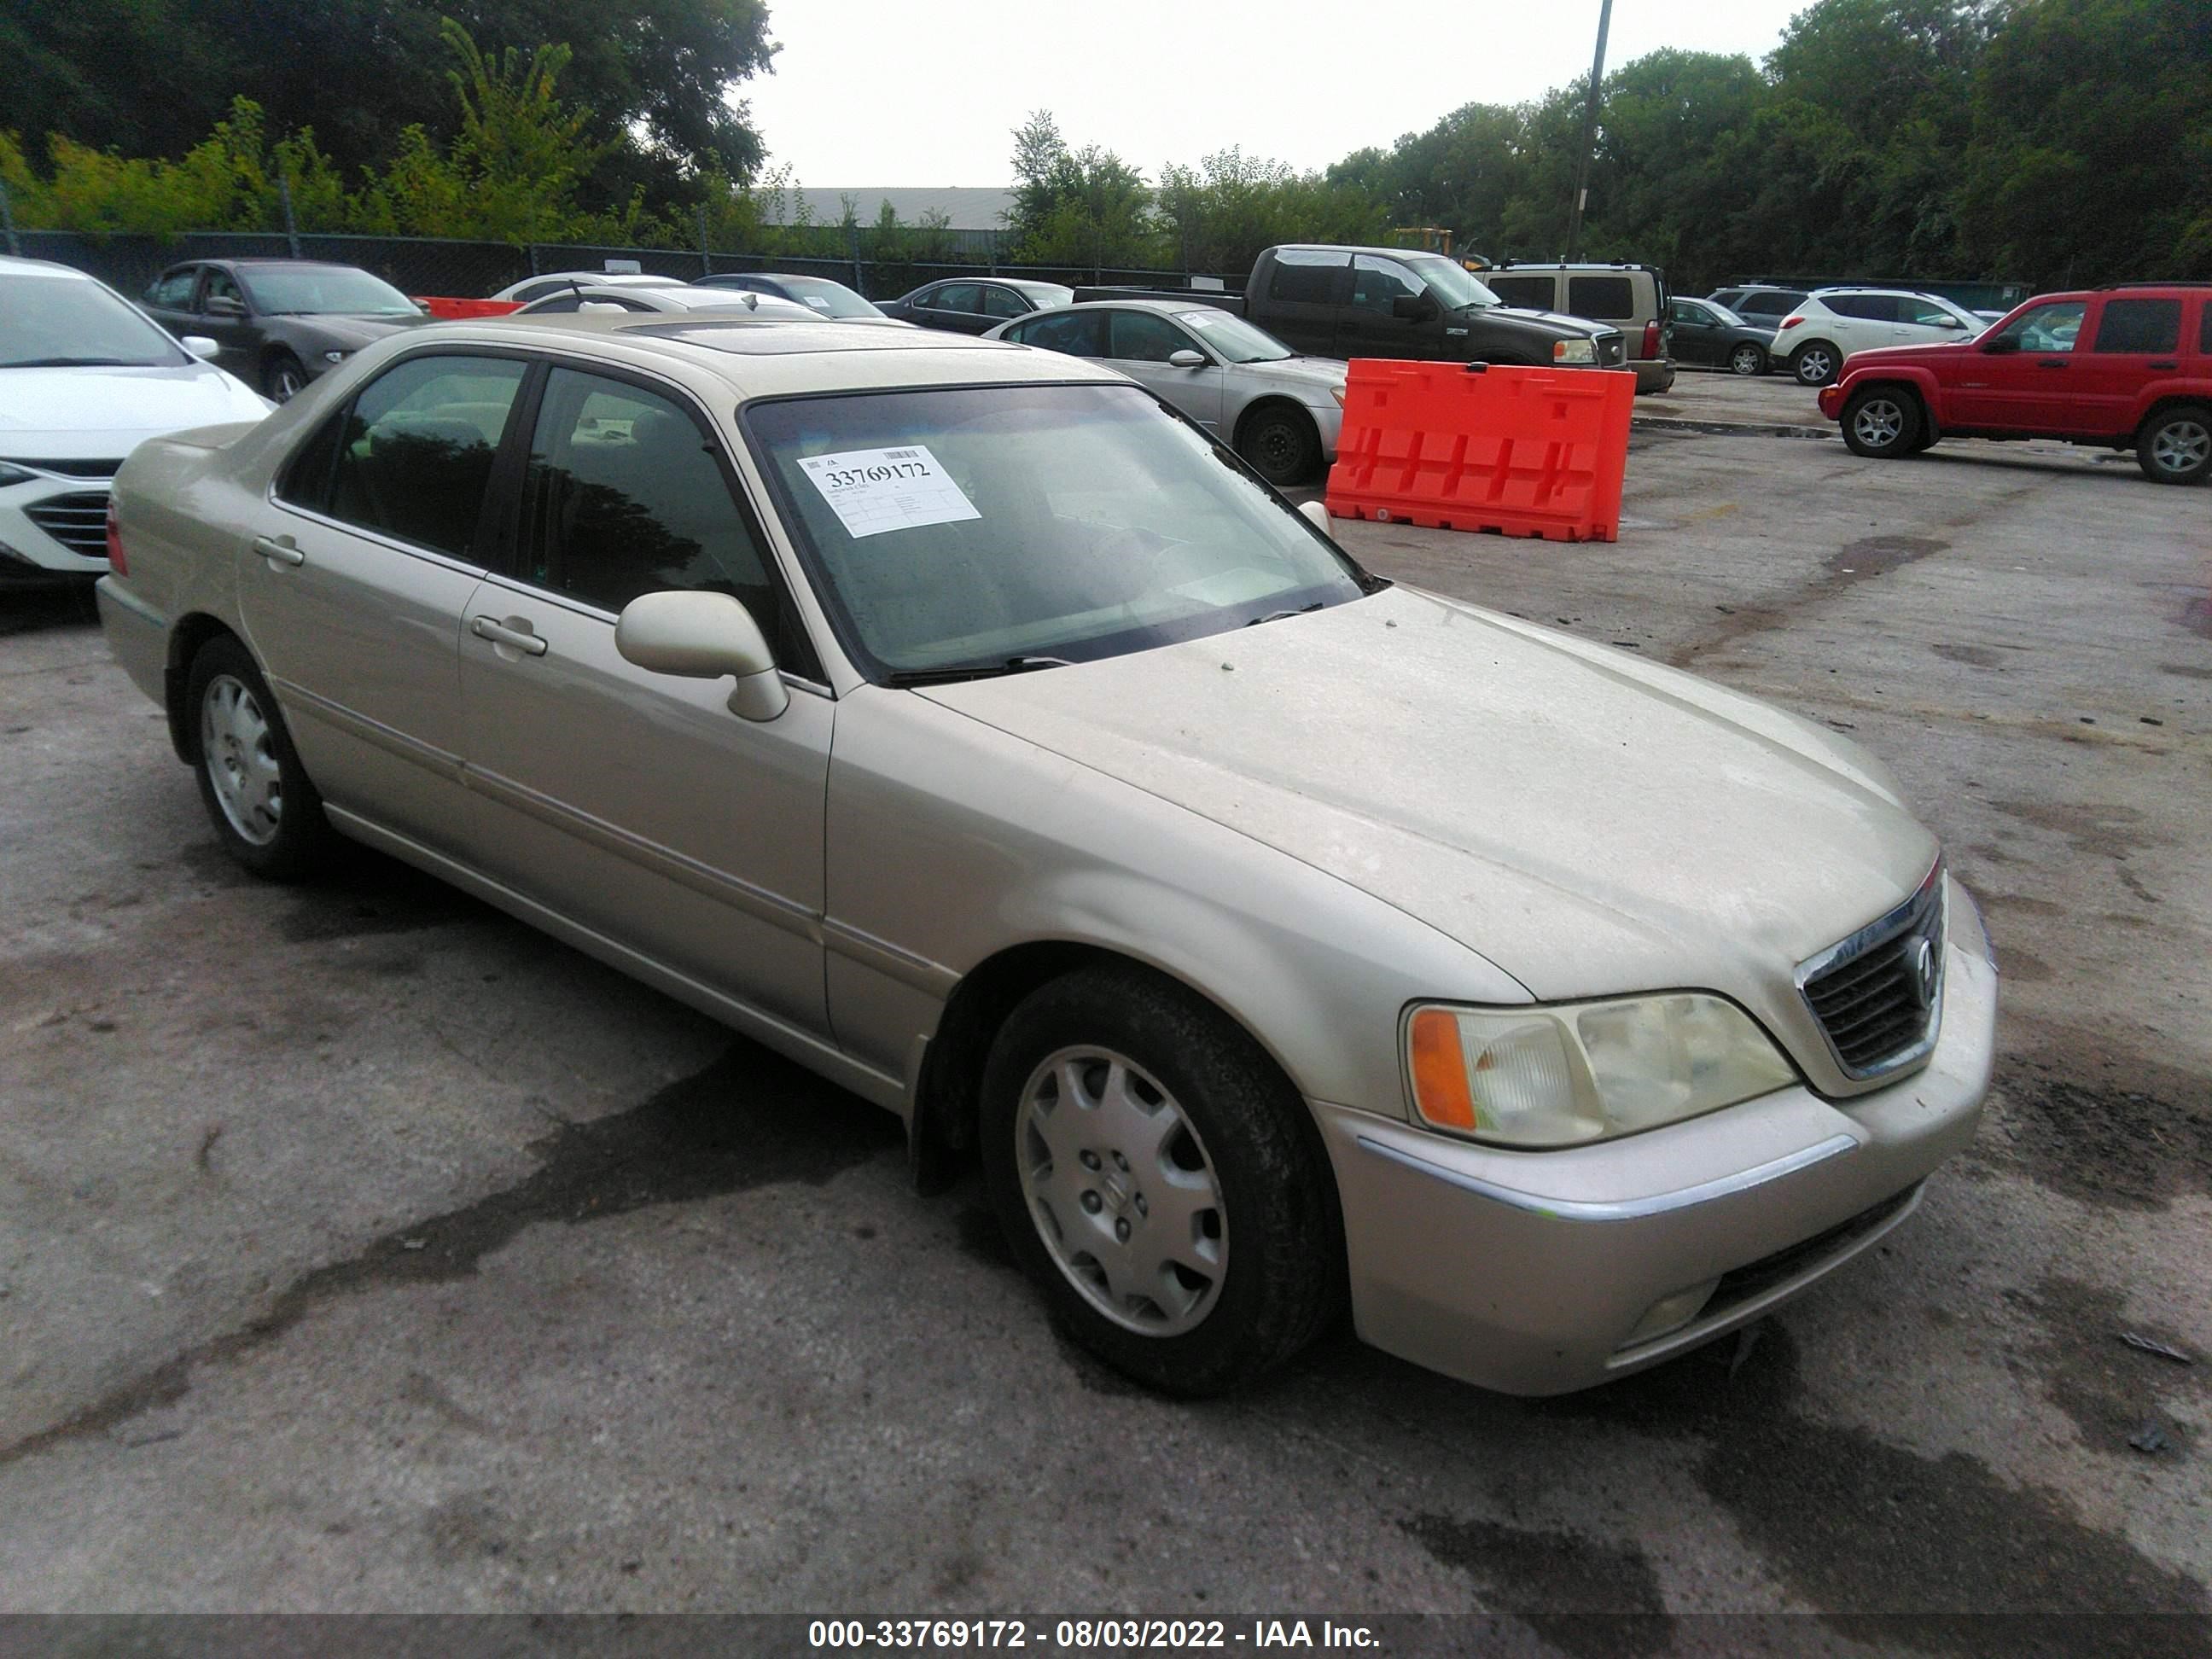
x=1589 y=136
x=291 y=229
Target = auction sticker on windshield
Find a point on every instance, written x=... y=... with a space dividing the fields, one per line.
x=873 y=490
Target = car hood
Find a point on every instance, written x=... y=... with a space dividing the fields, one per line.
x=1588 y=822
x=348 y=333
x=1316 y=374
x=1927 y=351
x=1556 y=323
x=101 y=413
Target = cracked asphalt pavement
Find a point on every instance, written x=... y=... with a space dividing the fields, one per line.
x=362 y=1250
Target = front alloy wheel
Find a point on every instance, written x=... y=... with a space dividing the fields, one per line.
x=1746 y=358
x=2176 y=447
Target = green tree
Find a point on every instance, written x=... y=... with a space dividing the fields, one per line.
x=1086 y=207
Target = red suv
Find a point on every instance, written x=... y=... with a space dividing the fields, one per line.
x=2129 y=367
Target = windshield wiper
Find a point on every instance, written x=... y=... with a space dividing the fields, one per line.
x=984 y=670
x=77 y=362
x=1277 y=616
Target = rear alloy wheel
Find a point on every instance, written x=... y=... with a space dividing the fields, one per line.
x=2175 y=446
x=267 y=815
x=1146 y=1161
x=284 y=379
x=1746 y=358
x=1281 y=445
x=1882 y=423
x=1815 y=364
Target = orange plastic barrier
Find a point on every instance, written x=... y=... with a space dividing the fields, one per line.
x=450 y=311
x=1523 y=452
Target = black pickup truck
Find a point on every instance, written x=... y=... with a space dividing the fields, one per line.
x=1393 y=302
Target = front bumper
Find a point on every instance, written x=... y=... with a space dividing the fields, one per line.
x=1832 y=400
x=50 y=526
x=1538 y=1273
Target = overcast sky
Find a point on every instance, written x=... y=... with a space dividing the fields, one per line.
x=869 y=93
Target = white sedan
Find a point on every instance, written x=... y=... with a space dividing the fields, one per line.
x=84 y=378
x=664 y=297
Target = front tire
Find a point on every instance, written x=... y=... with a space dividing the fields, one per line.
x=1281 y=445
x=1148 y=1164
x=1816 y=363
x=1746 y=358
x=266 y=814
x=1882 y=423
x=283 y=378
x=2175 y=446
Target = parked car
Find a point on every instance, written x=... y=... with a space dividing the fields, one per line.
x=1329 y=301
x=1704 y=331
x=1633 y=298
x=816 y=294
x=279 y=324
x=552 y=282
x=975 y=306
x=1828 y=325
x=1247 y=913
x=84 y=378
x=661 y=299
x=1280 y=411
x=1760 y=306
x=2142 y=382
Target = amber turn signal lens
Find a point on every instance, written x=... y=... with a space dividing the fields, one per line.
x=1440 y=1070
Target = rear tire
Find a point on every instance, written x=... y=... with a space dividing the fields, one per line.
x=1748 y=359
x=266 y=813
x=1148 y=1164
x=2175 y=446
x=1882 y=423
x=1281 y=445
x=1816 y=363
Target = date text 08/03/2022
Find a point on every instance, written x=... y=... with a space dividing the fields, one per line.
x=1122 y=1634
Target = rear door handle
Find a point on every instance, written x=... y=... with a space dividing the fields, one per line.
x=491 y=628
x=282 y=552
x=2165 y=366
x=2052 y=362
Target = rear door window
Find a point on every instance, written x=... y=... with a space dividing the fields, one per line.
x=963 y=297
x=1603 y=298
x=1076 y=333
x=416 y=450
x=2147 y=327
x=1866 y=308
x=1307 y=276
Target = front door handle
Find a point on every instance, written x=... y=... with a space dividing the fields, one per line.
x=278 y=551
x=491 y=628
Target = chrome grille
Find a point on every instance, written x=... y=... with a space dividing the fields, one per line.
x=78 y=521
x=1611 y=350
x=1878 y=996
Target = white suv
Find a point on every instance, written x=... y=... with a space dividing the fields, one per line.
x=1832 y=323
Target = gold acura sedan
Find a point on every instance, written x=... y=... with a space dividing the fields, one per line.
x=957 y=719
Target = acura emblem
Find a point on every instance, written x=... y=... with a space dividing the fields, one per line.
x=1924 y=974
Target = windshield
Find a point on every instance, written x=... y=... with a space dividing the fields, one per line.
x=314 y=289
x=1728 y=318
x=56 y=322
x=1452 y=283
x=828 y=298
x=970 y=527
x=1234 y=339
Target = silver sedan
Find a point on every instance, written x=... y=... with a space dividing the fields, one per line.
x=947 y=716
x=1280 y=411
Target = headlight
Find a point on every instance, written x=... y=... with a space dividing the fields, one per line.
x=1574 y=351
x=335 y=356
x=10 y=474
x=1566 y=1075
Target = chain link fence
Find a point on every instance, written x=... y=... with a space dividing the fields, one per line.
x=882 y=264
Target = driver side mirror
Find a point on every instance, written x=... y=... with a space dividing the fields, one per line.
x=702 y=636
x=2003 y=344
x=201 y=347
x=1186 y=358
x=1414 y=307
x=1952 y=322
x=224 y=305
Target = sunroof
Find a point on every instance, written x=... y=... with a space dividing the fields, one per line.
x=754 y=337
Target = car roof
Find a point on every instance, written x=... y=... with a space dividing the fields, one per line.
x=757 y=358
x=1164 y=307
x=12 y=266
